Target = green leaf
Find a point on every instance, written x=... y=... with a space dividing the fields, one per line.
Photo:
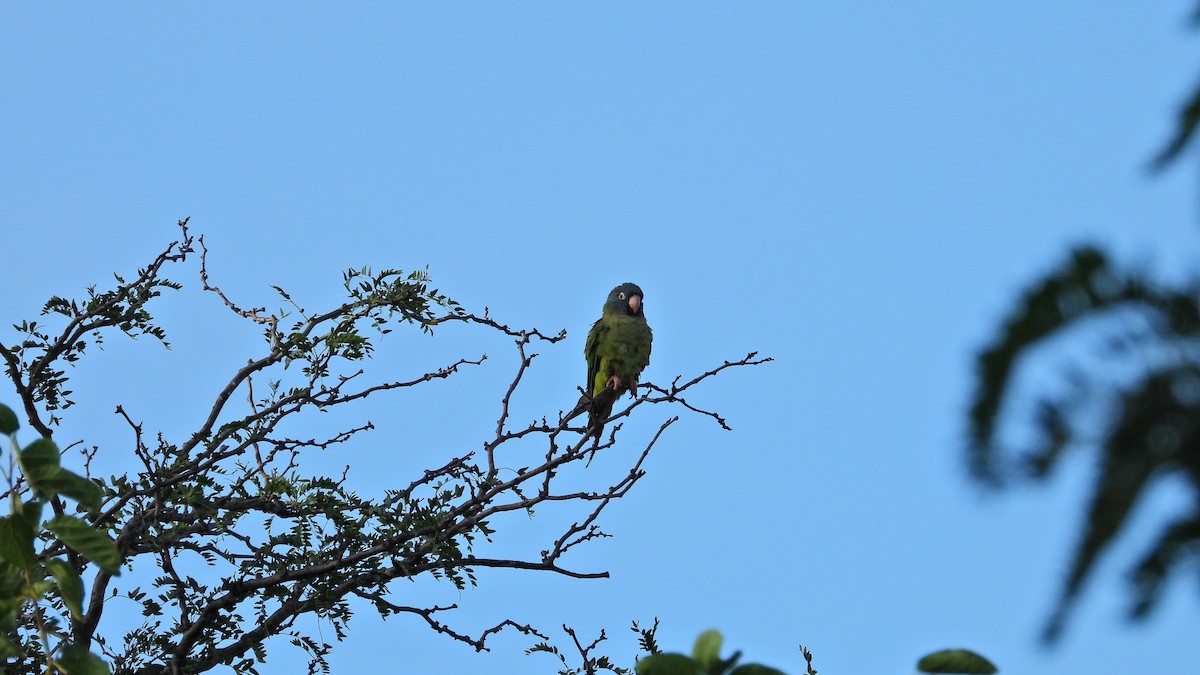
x=88 y=541
x=76 y=660
x=69 y=484
x=8 y=421
x=39 y=588
x=12 y=580
x=16 y=541
x=755 y=669
x=8 y=619
x=667 y=664
x=32 y=511
x=70 y=586
x=707 y=650
x=39 y=461
x=956 y=661
x=8 y=649
x=722 y=666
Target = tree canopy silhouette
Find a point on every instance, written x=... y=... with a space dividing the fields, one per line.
x=224 y=538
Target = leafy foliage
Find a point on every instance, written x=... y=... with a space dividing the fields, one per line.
x=28 y=577
x=229 y=540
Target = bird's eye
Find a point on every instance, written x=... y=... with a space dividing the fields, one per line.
x=621 y=296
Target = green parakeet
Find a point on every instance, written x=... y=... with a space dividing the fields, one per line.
x=617 y=350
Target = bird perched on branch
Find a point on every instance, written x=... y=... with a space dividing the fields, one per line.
x=617 y=350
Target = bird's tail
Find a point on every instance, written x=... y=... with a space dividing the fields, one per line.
x=599 y=409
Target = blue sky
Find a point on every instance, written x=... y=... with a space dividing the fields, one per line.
x=858 y=190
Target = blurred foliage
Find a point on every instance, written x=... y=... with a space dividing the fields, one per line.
x=962 y=661
x=34 y=576
x=706 y=660
x=1186 y=122
x=1136 y=400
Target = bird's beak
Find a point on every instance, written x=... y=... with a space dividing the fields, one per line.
x=635 y=303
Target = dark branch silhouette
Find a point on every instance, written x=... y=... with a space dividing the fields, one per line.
x=278 y=544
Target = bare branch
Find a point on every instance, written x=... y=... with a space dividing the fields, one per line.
x=280 y=545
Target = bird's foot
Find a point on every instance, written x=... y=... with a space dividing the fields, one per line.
x=614 y=383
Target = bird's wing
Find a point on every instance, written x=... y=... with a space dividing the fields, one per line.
x=591 y=350
x=649 y=341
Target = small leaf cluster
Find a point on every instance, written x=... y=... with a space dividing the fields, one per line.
x=27 y=577
x=376 y=300
x=407 y=295
x=591 y=663
x=123 y=308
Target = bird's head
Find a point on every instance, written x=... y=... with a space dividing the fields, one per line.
x=624 y=299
